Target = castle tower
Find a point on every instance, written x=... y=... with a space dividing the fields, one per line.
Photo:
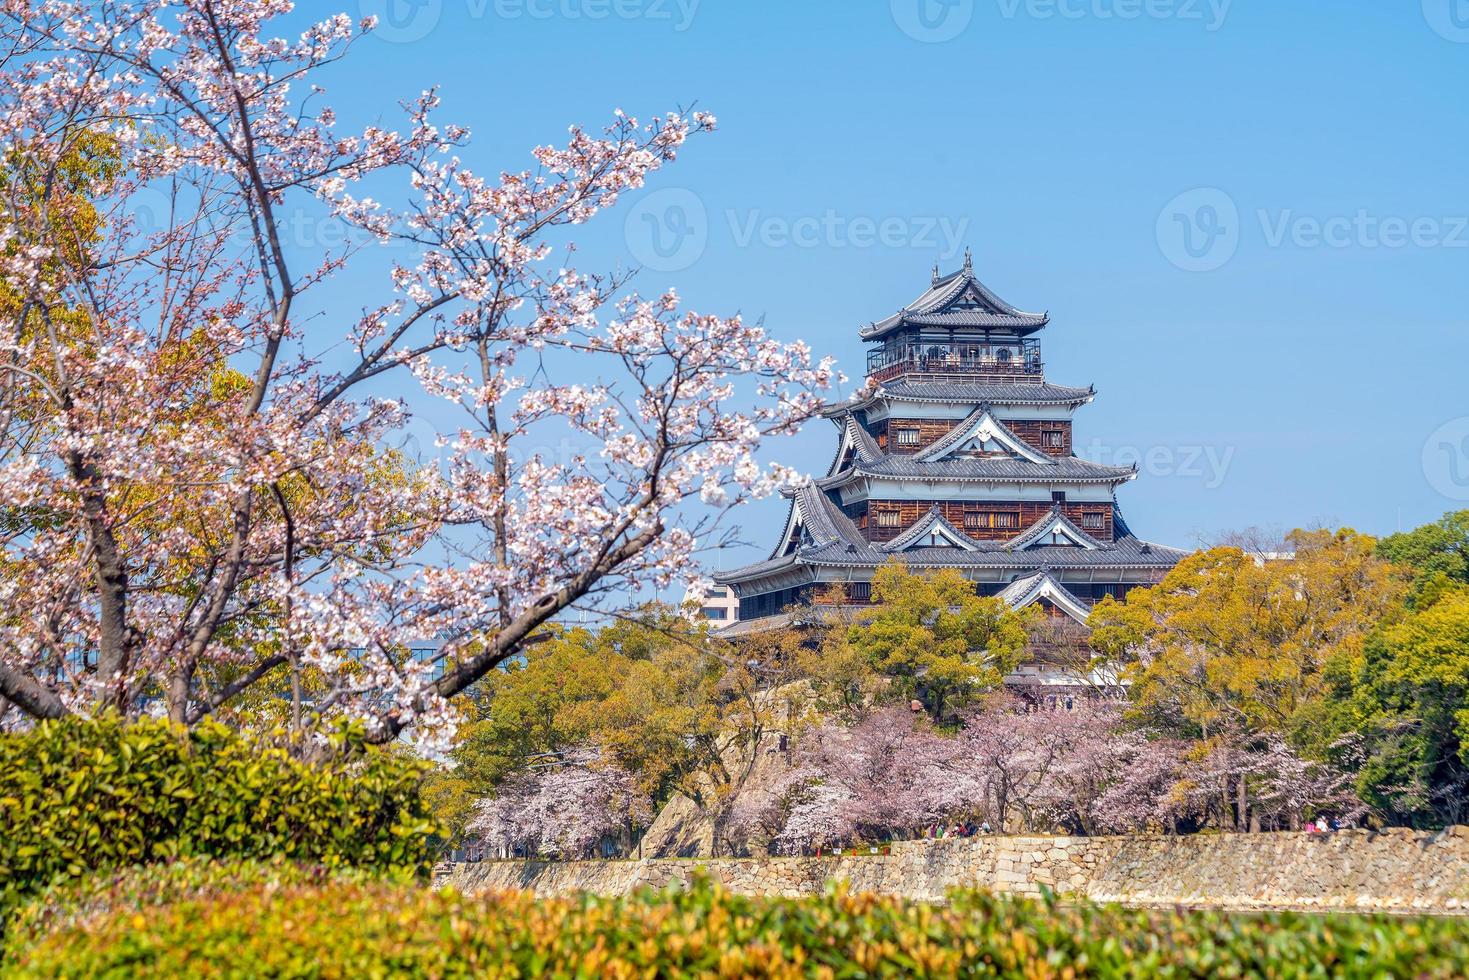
x=959 y=456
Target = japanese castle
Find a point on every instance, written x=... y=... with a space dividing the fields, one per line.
x=957 y=455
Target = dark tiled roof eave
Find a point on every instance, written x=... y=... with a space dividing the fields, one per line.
x=1126 y=553
x=1067 y=469
x=956 y=319
x=967 y=393
x=757 y=569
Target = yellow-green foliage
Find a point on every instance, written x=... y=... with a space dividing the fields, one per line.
x=357 y=929
x=70 y=902
x=82 y=795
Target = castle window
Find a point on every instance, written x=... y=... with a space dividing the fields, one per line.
x=1093 y=521
x=906 y=436
x=1004 y=519
x=889 y=517
x=1003 y=355
x=1054 y=438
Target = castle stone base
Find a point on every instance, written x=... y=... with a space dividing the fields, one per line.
x=1356 y=870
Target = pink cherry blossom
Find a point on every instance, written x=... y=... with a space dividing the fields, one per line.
x=175 y=539
x=566 y=806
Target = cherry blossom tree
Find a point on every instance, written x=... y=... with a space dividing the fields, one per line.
x=759 y=811
x=1087 y=750
x=1024 y=767
x=567 y=806
x=889 y=773
x=1283 y=787
x=1146 y=792
x=201 y=473
x=1012 y=753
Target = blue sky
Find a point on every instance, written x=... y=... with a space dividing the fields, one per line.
x=1249 y=220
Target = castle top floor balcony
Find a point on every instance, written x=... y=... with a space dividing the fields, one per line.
x=923 y=361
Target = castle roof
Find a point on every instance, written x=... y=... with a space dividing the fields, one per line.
x=999 y=469
x=1043 y=585
x=856 y=444
x=965 y=393
x=933 y=530
x=958 y=301
x=981 y=428
x=979 y=449
x=818 y=534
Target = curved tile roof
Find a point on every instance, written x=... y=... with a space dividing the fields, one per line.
x=1065 y=469
x=1043 y=585
x=939 y=305
x=836 y=542
x=1056 y=519
x=967 y=393
x=981 y=421
x=933 y=520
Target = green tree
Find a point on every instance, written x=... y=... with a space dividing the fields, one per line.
x=1402 y=705
x=935 y=639
x=654 y=692
x=1441 y=548
x=1230 y=651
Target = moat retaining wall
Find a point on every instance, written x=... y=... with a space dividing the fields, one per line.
x=1394 y=870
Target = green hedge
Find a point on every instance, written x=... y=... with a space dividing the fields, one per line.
x=72 y=902
x=76 y=796
x=357 y=929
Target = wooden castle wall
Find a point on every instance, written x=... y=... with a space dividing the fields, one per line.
x=1032 y=431
x=1022 y=513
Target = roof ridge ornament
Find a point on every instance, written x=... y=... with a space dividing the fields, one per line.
x=935 y=274
x=968 y=260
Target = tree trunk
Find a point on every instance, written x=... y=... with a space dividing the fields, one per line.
x=179 y=682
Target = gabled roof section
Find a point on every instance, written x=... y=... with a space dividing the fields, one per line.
x=857 y=445
x=958 y=300
x=1043 y=585
x=814 y=521
x=933 y=530
x=1054 y=530
x=982 y=430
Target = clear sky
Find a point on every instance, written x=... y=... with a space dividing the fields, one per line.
x=1249 y=220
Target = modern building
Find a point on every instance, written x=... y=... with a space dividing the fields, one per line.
x=719 y=607
x=958 y=455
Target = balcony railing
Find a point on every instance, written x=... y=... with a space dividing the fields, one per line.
x=948 y=360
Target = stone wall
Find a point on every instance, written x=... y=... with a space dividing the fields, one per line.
x=1395 y=870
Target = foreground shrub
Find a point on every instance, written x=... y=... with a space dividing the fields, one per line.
x=77 y=796
x=376 y=929
x=73 y=902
